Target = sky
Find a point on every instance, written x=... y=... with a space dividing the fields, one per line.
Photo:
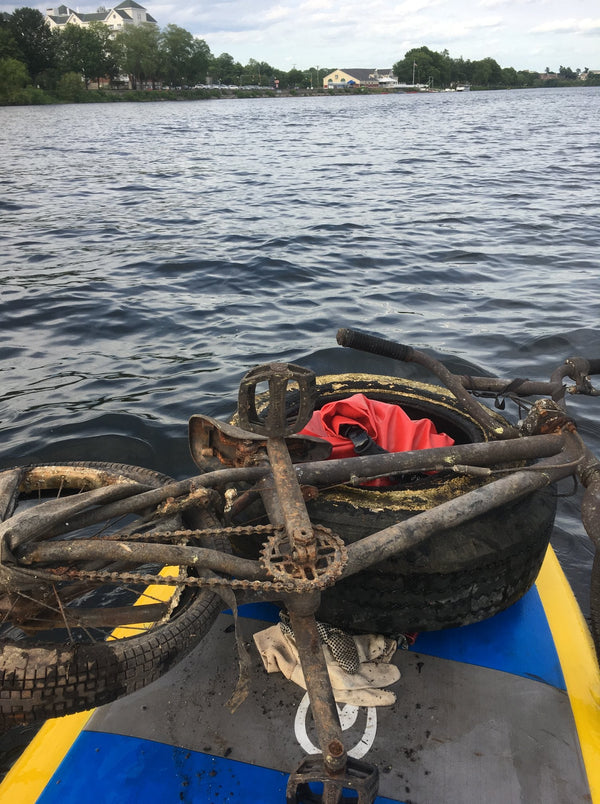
x=524 y=34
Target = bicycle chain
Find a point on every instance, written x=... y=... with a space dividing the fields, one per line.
x=170 y=580
x=331 y=552
x=174 y=535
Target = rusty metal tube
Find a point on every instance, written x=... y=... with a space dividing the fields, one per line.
x=138 y=502
x=380 y=346
x=318 y=685
x=386 y=543
x=489 y=453
x=140 y=552
x=289 y=494
x=328 y=473
x=498 y=385
x=589 y=475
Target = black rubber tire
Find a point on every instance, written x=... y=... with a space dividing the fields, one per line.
x=457 y=576
x=50 y=680
x=595 y=602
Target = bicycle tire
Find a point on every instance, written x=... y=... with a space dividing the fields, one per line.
x=455 y=577
x=50 y=680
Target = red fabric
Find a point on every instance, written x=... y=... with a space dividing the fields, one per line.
x=388 y=425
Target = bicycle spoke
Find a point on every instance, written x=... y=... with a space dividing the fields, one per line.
x=59 y=499
x=62 y=612
x=100 y=618
x=48 y=518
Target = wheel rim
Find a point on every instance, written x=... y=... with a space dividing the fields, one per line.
x=71 y=610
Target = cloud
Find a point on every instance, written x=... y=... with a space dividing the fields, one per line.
x=570 y=26
x=278 y=13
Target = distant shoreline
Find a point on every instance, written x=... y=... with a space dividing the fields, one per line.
x=41 y=98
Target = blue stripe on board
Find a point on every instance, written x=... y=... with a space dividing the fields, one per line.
x=516 y=641
x=269 y=612
x=112 y=769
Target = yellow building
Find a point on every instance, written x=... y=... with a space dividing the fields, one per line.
x=359 y=78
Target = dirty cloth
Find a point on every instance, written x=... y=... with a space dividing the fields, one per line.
x=279 y=653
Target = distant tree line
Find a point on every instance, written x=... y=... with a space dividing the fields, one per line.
x=38 y=64
x=427 y=66
x=36 y=61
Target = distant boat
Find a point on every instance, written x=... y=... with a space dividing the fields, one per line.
x=463 y=87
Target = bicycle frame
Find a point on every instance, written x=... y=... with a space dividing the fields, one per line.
x=302 y=561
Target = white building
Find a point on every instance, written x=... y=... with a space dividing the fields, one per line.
x=126 y=13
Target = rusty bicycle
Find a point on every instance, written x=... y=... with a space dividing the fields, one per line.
x=124 y=548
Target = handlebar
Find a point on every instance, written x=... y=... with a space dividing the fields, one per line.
x=576 y=368
x=353 y=339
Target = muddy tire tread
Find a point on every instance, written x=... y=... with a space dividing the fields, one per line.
x=50 y=680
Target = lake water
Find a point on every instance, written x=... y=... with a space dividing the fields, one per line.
x=152 y=253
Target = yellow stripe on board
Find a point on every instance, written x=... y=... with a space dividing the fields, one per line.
x=30 y=774
x=26 y=780
x=156 y=593
x=578 y=662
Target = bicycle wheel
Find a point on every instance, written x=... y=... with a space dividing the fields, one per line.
x=58 y=651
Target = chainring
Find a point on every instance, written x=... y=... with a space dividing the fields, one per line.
x=281 y=565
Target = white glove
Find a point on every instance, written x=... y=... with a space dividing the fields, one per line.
x=279 y=653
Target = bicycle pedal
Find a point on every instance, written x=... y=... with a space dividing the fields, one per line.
x=359 y=777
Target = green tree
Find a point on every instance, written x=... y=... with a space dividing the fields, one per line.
x=200 y=59
x=106 y=63
x=13 y=80
x=424 y=66
x=48 y=79
x=87 y=51
x=487 y=72
x=8 y=46
x=224 y=69
x=460 y=71
x=510 y=77
x=36 y=43
x=252 y=73
x=70 y=87
x=258 y=73
x=266 y=73
x=294 y=78
x=527 y=78
x=185 y=58
x=139 y=54
x=567 y=73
